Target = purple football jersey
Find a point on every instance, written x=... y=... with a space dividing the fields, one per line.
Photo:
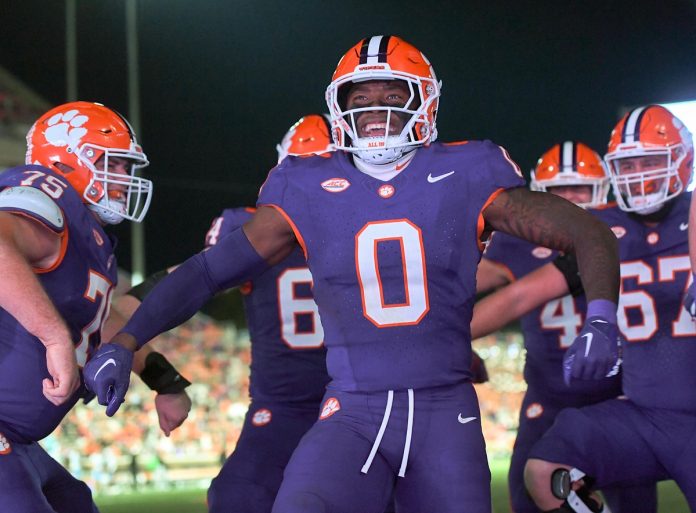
x=394 y=262
x=79 y=285
x=550 y=329
x=660 y=354
x=288 y=358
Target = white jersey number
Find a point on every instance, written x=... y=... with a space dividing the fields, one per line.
x=98 y=288
x=50 y=184
x=416 y=304
x=561 y=314
x=644 y=303
x=291 y=307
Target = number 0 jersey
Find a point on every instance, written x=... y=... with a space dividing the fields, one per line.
x=79 y=284
x=393 y=262
x=550 y=329
x=288 y=358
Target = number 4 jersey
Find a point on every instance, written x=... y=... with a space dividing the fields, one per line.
x=288 y=358
x=393 y=262
x=79 y=283
x=549 y=329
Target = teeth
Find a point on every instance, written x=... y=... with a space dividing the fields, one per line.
x=375 y=126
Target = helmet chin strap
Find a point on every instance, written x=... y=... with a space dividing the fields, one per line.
x=365 y=149
x=107 y=215
x=384 y=172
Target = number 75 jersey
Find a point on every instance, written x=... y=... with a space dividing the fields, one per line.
x=393 y=262
x=79 y=283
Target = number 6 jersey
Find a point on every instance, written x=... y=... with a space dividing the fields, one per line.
x=288 y=359
x=79 y=283
x=393 y=262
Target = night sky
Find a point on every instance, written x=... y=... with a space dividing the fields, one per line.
x=222 y=80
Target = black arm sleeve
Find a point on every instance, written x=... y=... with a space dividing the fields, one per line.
x=568 y=266
x=142 y=289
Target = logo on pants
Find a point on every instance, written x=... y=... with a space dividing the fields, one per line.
x=330 y=407
x=4 y=445
x=261 y=417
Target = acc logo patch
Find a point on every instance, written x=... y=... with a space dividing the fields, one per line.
x=4 y=445
x=261 y=417
x=542 y=252
x=534 y=411
x=335 y=185
x=330 y=407
x=619 y=231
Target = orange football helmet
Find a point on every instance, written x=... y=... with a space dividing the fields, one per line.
x=384 y=58
x=308 y=136
x=76 y=140
x=572 y=163
x=650 y=159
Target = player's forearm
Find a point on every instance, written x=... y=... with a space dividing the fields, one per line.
x=183 y=292
x=597 y=252
x=555 y=223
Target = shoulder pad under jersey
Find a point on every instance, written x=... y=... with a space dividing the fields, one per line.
x=35 y=203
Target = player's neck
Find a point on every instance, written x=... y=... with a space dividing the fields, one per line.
x=384 y=172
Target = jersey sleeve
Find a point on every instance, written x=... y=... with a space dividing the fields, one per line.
x=35 y=204
x=274 y=190
x=503 y=171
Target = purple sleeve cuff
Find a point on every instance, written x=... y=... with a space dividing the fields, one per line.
x=603 y=308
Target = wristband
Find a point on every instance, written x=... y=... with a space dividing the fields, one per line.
x=161 y=376
x=143 y=289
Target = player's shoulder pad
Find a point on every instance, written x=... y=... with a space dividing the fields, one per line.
x=36 y=203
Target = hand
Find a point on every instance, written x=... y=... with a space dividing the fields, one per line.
x=479 y=373
x=594 y=354
x=62 y=366
x=172 y=410
x=690 y=300
x=107 y=374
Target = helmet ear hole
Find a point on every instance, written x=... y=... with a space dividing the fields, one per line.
x=63 y=168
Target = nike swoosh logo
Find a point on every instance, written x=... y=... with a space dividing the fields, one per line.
x=588 y=342
x=683 y=226
x=464 y=420
x=433 y=179
x=110 y=361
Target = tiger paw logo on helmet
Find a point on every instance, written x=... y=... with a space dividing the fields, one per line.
x=261 y=417
x=330 y=407
x=4 y=445
x=65 y=129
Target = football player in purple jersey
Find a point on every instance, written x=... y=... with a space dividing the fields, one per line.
x=575 y=172
x=58 y=274
x=288 y=359
x=392 y=226
x=648 y=434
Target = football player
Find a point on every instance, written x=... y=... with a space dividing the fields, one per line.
x=58 y=274
x=575 y=172
x=392 y=225
x=646 y=436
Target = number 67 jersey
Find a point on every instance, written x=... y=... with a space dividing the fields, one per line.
x=393 y=262
x=79 y=283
